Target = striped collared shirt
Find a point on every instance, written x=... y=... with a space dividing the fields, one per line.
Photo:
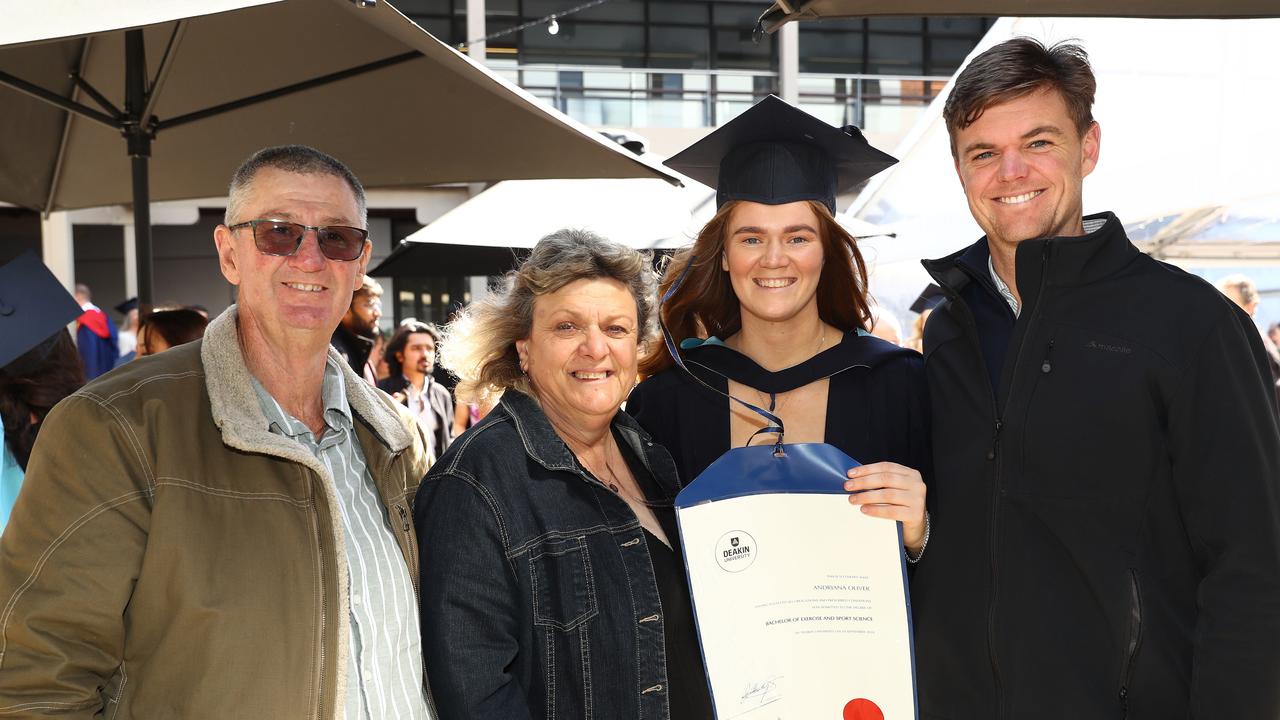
x=1091 y=225
x=385 y=660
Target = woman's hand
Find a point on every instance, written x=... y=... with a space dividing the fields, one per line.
x=892 y=491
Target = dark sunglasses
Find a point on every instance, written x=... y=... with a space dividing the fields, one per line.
x=280 y=237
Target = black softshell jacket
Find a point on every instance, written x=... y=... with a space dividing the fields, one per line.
x=1106 y=522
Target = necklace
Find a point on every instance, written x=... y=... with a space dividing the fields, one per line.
x=613 y=481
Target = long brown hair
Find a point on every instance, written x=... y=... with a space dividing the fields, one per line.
x=706 y=305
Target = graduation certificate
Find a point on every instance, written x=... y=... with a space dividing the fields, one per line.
x=800 y=599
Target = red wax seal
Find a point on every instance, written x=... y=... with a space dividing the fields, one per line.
x=862 y=709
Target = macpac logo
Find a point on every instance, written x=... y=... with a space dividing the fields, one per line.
x=735 y=551
x=1095 y=345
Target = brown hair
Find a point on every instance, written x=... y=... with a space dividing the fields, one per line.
x=31 y=385
x=175 y=327
x=706 y=305
x=1017 y=68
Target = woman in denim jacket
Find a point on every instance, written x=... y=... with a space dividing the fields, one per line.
x=552 y=585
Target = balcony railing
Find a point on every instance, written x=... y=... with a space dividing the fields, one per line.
x=630 y=97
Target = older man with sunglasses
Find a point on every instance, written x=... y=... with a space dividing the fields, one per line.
x=222 y=530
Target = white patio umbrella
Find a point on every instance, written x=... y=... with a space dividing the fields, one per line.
x=90 y=90
x=483 y=235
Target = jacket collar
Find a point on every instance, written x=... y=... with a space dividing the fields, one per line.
x=543 y=444
x=239 y=416
x=1078 y=260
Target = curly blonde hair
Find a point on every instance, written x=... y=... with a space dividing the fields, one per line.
x=479 y=346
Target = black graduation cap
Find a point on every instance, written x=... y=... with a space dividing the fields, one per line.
x=776 y=153
x=124 y=307
x=931 y=297
x=33 y=306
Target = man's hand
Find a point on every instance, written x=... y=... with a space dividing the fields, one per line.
x=892 y=491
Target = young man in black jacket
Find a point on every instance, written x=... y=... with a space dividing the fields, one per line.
x=1106 y=522
x=355 y=336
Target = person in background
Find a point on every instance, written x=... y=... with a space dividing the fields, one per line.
x=411 y=356
x=164 y=329
x=1106 y=451
x=1274 y=334
x=222 y=530
x=96 y=336
x=1241 y=290
x=39 y=364
x=128 y=332
x=466 y=413
x=378 y=357
x=355 y=335
x=552 y=585
x=922 y=307
x=885 y=325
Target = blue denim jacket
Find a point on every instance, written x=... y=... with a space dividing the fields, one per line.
x=538 y=594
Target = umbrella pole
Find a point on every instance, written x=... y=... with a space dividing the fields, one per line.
x=139 y=142
x=142 y=228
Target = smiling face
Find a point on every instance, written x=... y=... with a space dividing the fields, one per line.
x=1022 y=165
x=773 y=254
x=581 y=352
x=299 y=297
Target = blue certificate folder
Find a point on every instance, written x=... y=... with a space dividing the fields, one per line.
x=771 y=541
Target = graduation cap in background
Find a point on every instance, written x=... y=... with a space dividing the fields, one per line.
x=33 y=306
x=930 y=298
x=776 y=153
x=130 y=304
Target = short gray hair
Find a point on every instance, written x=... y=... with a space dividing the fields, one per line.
x=299 y=159
x=479 y=346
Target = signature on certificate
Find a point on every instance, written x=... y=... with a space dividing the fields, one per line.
x=761 y=692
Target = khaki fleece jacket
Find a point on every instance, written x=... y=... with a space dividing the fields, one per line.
x=169 y=557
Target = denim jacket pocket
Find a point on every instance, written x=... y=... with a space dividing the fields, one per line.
x=564 y=592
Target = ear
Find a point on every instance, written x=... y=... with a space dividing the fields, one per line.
x=1090 y=146
x=956 y=163
x=364 y=256
x=224 y=240
x=522 y=351
x=724 y=261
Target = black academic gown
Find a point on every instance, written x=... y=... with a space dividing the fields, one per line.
x=877 y=403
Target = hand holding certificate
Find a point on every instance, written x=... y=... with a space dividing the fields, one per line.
x=800 y=599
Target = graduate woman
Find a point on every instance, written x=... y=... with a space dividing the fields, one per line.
x=770 y=305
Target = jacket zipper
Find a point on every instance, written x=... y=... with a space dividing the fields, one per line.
x=1135 y=637
x=992 y=456
x=1001 y=700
